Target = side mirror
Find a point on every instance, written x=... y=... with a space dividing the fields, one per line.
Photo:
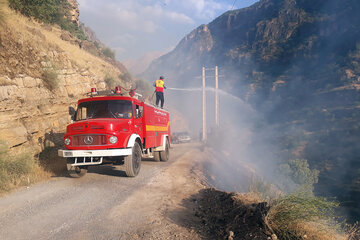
x=72 y=113
x=138 y=113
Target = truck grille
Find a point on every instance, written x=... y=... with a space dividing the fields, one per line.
x=88 y=140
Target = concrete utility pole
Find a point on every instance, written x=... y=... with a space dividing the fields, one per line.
x=217 y=96
x=204 y=106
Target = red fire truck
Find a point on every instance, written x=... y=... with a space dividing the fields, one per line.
x=115 y=129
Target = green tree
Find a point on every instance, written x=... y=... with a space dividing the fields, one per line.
x=49 y=11
x=299 y=172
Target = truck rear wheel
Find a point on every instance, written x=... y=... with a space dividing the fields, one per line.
x=133 y=162
x=157 y=156
x=76 y=171
x=164 y=155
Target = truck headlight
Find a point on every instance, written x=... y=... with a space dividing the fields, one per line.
x=113 y=139
x=67 y=141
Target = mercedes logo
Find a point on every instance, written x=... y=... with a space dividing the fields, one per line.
x=88 y=140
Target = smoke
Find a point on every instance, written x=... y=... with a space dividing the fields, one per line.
x=241 y=147
x=293 y=98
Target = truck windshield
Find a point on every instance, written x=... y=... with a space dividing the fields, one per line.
x=104 y=109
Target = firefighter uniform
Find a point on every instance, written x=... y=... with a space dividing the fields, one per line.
x=160 y=85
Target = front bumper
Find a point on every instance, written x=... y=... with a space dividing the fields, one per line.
x=95 y=153
x=91 y=157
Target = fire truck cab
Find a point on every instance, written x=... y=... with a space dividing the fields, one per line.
x=115 y=129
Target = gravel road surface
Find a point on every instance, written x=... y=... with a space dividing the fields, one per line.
x=104 y=204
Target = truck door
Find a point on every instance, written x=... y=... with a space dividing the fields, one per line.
x=138 y=122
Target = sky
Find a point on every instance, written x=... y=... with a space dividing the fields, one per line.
x=134 y=28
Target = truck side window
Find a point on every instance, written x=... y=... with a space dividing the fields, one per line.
x=138 y=111
x=82 y=113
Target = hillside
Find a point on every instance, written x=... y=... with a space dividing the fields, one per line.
x=42 y=73
x=297 y=62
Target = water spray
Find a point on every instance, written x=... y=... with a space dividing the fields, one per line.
x=211 y=89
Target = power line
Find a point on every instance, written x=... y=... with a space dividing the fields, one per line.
x=233 y=5
x=163 y=2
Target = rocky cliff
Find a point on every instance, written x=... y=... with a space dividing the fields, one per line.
x=298 y=63
x=74 y=12
x=41 y=75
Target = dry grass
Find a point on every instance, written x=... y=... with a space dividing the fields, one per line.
x=50 y=78
x=3 y=7
x=317 y=231
x=51 y=163
x=79 y=58
x=18 y=169
x=23 y=169
x=295 y=216
x=353 y=232
x=249 y=198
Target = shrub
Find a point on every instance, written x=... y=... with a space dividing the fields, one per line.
x=12 y=168
x=51 y=162
x=108 y=52
x=49 y=11
x=262 y=188
x=96 y=44
x=50 y=78
x=126 y=76
x=144 y=88
x=299 y=172
x=73 y=28
x=289 y=217
x=110 y=81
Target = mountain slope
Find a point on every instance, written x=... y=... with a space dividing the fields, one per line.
x=298 y=63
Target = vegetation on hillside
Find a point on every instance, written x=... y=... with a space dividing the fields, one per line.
x=50 y=78
x=300 y=174
x=22 y=169
x=111 y=82
x=299 y=214
x=296 y=215
x=49 y=11
x=287 y=187
x=108 y=52
x=144 y=88
x=14 y=170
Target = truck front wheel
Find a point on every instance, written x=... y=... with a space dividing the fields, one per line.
x=75 y=171
x=133 y=162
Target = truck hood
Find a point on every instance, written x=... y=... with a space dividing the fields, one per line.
x=99 y=126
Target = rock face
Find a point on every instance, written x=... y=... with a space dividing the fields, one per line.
x=296 y=61
x=91 y=35
x=74 y=11
x=41 y=75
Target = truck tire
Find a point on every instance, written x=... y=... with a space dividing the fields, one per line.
x=157 y=156
x=76 y=171
x=164 y=155
x=133 y=162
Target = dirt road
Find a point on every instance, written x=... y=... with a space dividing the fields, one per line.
x=105 y=204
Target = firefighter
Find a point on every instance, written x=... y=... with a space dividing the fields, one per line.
x=160 y=85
